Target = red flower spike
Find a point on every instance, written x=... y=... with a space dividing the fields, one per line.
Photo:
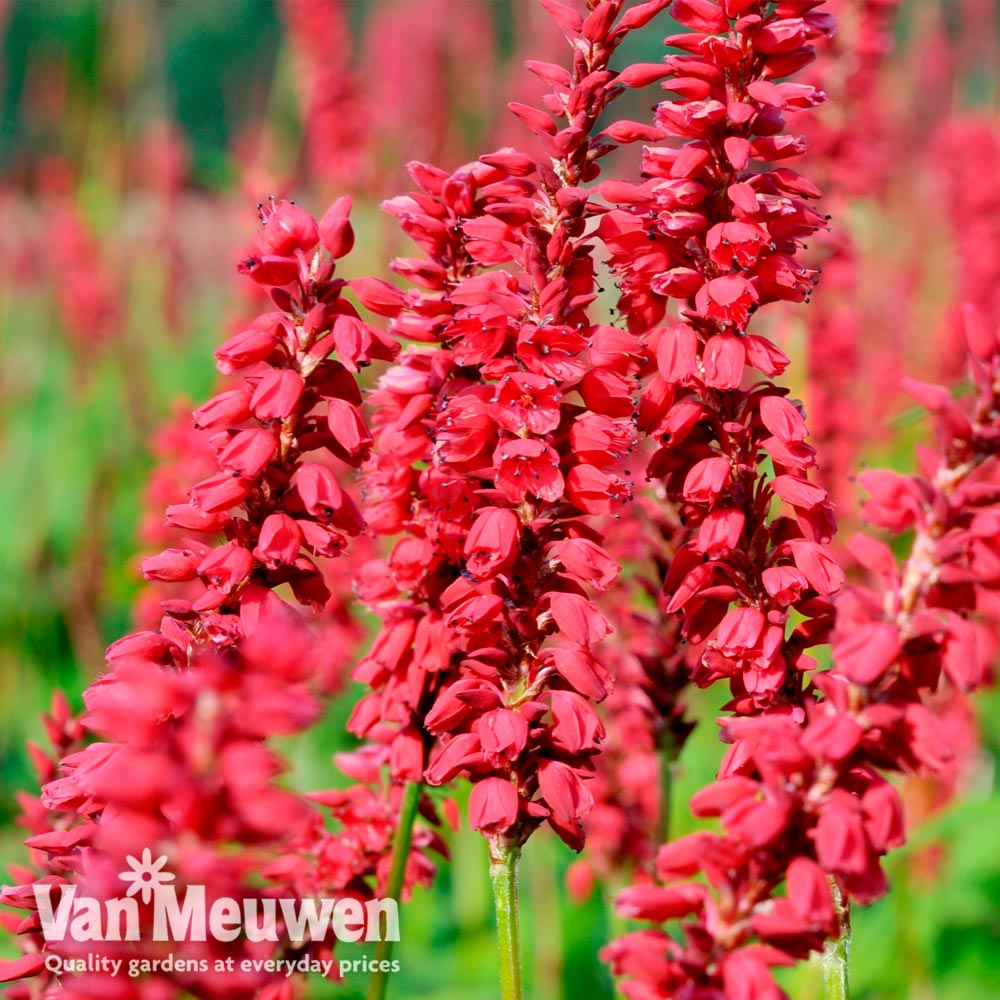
x=182 y=718
x=486 y=461
x=721 y=252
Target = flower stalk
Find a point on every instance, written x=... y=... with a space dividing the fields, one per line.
x=836 y=952
x=402 y=841
x=505 y=857
x=669 y=752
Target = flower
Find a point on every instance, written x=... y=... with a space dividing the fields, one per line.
x=182 y=717
x=484 y=457
x=801 y=796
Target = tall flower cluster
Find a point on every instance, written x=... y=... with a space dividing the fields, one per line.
x=799 y=802
x=185 y=711
x=800 y=795
x=495 y=450
x=278 y=510
x=972 y=231
x=720 y=237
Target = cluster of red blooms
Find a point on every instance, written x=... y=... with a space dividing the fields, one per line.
x=720 y=236
x=231 y=664
x=800 y=795
x=721 y=239
x=800 y=801
x=508 y=438
x=188 y=776
x=496 y=451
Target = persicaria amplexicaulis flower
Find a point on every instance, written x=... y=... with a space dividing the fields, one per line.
x=537 y=433
x=800 y=795
x=737 y=229
x=185 y=710
x=801 y=801
x=495 y=452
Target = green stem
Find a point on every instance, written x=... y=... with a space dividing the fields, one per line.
x=836 y=953
x=379 y=982
x=668 y=765
x=504 y=858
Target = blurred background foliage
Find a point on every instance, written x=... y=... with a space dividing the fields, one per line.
x=136 y=137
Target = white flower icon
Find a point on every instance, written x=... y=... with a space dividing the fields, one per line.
x=146 y=875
